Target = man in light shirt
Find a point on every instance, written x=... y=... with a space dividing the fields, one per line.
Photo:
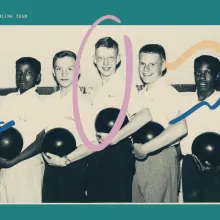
x=206 y=73
x=111 y=170
x=21 y=178
x=156 y=177
x=65 y=181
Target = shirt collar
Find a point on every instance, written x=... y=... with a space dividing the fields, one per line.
x=113 y=79
x=212 y=99
x=158 y=86
x=29 y=92
x=69 y=95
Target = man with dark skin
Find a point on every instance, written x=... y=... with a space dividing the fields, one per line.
x=21 y=178
x=202 y=181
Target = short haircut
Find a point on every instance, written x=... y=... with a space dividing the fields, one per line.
x=35 y=64
x=212 y=61
x=62 y=54
x=107 y=42
x=154 y=48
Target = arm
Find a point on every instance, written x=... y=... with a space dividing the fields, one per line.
x=31 y=151
x=169 y=136
x=81 y=152
x=137 y=121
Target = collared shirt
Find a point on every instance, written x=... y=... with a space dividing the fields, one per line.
x=62 y=116
x=112 y=94
x=163 y=102
x=28 y=112
x=202 y=120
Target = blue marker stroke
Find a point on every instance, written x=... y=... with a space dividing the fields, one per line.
x=193 y=109
x=7 y=125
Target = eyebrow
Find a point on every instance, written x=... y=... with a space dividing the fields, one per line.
x=68 y=66
x=29 y=69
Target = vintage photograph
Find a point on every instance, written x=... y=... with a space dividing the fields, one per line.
x=167 y=147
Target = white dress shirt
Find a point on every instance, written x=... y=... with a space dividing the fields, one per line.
x=61 y=114
x=111 y=95
x=23 y=182
x=201 y=121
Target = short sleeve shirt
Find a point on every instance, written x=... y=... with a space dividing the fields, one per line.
x=62 y=116
x=112 y=95
x=163 y=102
x=201 y=121
x=28 y=112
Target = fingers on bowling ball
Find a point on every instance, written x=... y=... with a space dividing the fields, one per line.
x=59 y=141
x=11 y=143
x=147 y=132
x=106 y=119
x=206 y=147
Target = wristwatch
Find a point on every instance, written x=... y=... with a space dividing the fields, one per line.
x=67 y=160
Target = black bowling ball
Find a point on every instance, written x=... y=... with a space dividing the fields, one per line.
x=106 y=119
x=207 y=148
x=11 y=143
x=147 y=132
x=59 y=141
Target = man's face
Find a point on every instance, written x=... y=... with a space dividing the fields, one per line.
x=106 y=60
x=204 y=77
x=25 y=76
x=63 y=71
x=150 y=67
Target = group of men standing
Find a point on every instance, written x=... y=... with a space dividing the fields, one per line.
x=123 y=171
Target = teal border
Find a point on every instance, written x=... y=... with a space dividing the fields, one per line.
x=110 y=212
x=130 y=12
x=138 y=12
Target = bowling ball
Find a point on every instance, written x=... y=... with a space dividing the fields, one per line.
x=147 y=132
x=59 y=141
x=11 y=143
x=207 y=148
x=106 y=119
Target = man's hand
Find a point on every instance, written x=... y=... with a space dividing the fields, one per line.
x=5 y=163
x=101 y=137
x=199 y=165
x=138 y=151
x=54 y=160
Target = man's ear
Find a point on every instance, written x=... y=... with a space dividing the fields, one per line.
x=218 y=76
x=38 y=78
x=118 y=59
x=53 y=72
x=163 y=65
x=94 y=59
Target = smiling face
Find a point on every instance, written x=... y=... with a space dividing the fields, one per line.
x=205 y=78
x=150 y=67
x=106 y=60
x=63 y=71
x=26 y=76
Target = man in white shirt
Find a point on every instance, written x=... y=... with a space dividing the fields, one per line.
x=21 y=180
x=64 y=181
x=156 y=177
x=111 y=170
x=206 y=72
